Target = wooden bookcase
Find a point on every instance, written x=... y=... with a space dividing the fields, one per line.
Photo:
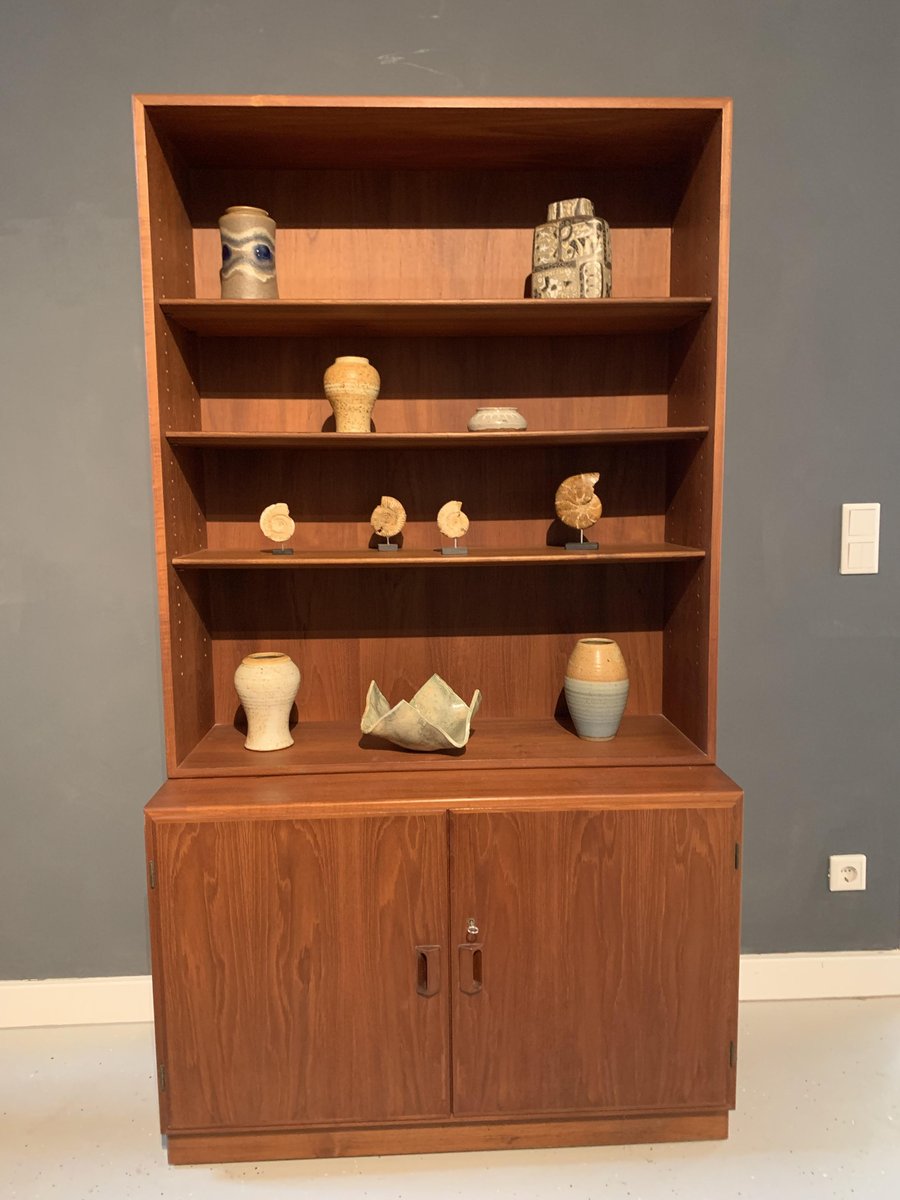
x=404 y=234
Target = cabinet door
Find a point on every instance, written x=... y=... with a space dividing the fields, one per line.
x=604 y=971
x=295 y=989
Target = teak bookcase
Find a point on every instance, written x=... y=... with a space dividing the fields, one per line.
x=357 y=949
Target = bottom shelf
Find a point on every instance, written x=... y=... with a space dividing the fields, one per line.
x=325 y=748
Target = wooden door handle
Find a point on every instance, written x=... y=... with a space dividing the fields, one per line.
x=428 y=970
x=470 y=968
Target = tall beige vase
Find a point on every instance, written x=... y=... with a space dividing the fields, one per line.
x=352 y=386
x=248 y=254
x=596 y=688
x=267 y=684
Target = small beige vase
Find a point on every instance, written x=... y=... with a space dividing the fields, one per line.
x=352 y=385
x=267 y=684
x=596 y=687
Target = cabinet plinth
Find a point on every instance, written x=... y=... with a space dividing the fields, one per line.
x=534 y=941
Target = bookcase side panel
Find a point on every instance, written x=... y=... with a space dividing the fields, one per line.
x=697 y=367
x=178 y=481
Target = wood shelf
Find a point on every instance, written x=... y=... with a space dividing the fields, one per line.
x=228 y=559
x=445 y=133
x=338 y=747
x=432 y=318
x=442 y=441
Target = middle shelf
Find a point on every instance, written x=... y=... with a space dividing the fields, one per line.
x=432 y=318
x=248 y=440
x=323 y=747
x=636 y=552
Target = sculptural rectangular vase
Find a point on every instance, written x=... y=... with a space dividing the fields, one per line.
x=571 y=257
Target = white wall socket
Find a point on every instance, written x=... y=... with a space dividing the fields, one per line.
x=847 y=873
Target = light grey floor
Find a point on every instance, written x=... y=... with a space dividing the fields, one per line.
x=818 y=1115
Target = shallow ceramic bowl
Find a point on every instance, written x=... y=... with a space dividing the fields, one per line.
x=435 y=719
x=497 y=419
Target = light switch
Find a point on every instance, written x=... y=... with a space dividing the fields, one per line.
x=859 y=539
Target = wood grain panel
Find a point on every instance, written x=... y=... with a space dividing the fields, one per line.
x=694 y=508
x=405 y=558
x=608 y=978
x=159 y=991
x=288 y=952
x=420 y=235
x=437 y=1139
x=432 y=131
x=507 y=491
x=506 y=632
x=375 y=793
x=338 y=747
x=448 y=318
x=435 y=384
x=167 y=264
x=440 y=440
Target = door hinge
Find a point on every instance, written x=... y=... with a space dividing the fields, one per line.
x=152 y=872
x=163 y=1078
x=737 y=856
x=731 y=1054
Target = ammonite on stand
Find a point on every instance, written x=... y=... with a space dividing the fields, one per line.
x=453 y=523
x=579 y=507
x=277 y=524
x=388 y=519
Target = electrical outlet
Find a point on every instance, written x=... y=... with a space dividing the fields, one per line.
x=847 y=873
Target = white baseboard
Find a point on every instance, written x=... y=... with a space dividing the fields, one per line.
x=112 y=1000
x=126 y=999
x=842 y=974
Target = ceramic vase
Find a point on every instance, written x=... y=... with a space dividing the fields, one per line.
x=496 y=418
x=596 y=688
x=267 y=684
x=571 y=256
x=248 y=254
x=351 y=385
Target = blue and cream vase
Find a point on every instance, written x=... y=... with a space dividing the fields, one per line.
x=248 y=254
x=596 y=688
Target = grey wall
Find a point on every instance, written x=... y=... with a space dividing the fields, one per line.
x=810 y=661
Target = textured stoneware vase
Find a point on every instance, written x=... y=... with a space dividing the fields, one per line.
x=596 y=688
x=267 y=684
x=496 y=419
x=571 y=257
x=248 y=254
x=351 y=385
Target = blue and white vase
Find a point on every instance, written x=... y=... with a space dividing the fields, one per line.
x=248 y=254
x=596 y=688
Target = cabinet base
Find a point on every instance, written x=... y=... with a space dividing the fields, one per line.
x=190 y=1148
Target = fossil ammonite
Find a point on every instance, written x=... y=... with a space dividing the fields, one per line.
x=577 y=504
x=276 y=523
x=389 y=517
x=451 y=520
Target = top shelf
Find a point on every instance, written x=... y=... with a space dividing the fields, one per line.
x=444 y=133
x=432 y=318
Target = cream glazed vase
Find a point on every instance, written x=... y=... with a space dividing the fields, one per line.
x=596 y=688
x=352 y=386
x=267 y=683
